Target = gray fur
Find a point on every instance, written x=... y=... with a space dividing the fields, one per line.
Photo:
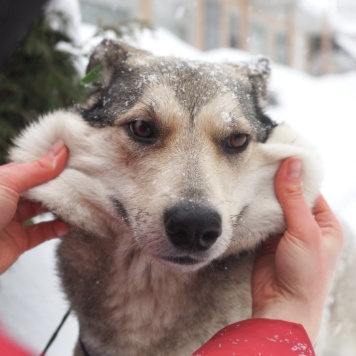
x=127 y=72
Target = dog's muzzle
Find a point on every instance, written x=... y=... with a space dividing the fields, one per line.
x=192 y=227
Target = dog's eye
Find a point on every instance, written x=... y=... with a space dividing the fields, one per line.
x=141 y=129
x=236 y=142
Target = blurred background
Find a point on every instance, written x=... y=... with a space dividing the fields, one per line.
x=317 y=37
x=50 y=40
x=44 y=50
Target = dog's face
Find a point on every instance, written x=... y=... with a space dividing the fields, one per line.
x=183 y=159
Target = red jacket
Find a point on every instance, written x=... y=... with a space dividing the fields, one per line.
x=253 y=337
x=10 y=348
x=259 y=337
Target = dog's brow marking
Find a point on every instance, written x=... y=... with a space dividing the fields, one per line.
x=151 y=107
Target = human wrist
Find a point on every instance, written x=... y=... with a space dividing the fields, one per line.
x=298 y=314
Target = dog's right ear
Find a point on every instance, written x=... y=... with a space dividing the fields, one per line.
x=110 y=57
x=256 y=72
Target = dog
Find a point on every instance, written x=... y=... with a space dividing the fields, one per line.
x=168 y=192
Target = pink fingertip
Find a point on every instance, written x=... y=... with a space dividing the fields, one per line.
x=294 y=169
x=56 y=148
x=54 y=152
x=61 y=229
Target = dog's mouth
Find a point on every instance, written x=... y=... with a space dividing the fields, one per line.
x=183 y=260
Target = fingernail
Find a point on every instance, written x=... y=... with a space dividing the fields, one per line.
x=61 y=229
x=294 y=169
x=56 y=148
x=54 y=151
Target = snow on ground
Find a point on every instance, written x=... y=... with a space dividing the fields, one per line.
x=31 y=304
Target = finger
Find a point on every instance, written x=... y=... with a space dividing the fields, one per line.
x=27 y=210
x=8 y=165
x=8 y=205
x=23 y=176
x=42 y=232
x=289 y=191
x=326 y=219
x=322 y=210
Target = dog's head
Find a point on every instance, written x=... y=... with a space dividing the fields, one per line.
x=176 y=155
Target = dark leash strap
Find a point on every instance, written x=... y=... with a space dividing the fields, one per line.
x=85 y=351
x=53 y=337
x=55 y=334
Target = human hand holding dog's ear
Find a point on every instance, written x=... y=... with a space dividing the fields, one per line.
x=15 y=179
x=292 y=274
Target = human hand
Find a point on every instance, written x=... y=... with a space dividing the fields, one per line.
x=292 y=274
x=15 y=239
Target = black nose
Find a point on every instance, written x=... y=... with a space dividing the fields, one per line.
x=192 y=227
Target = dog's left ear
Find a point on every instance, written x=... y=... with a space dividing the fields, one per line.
x=258 y=72
x=111 y=57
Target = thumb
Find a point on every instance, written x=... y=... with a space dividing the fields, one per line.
x=289 y=191
x=20 y=177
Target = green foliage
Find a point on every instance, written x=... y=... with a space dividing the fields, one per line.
x=93 y=75
x=37 y=78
